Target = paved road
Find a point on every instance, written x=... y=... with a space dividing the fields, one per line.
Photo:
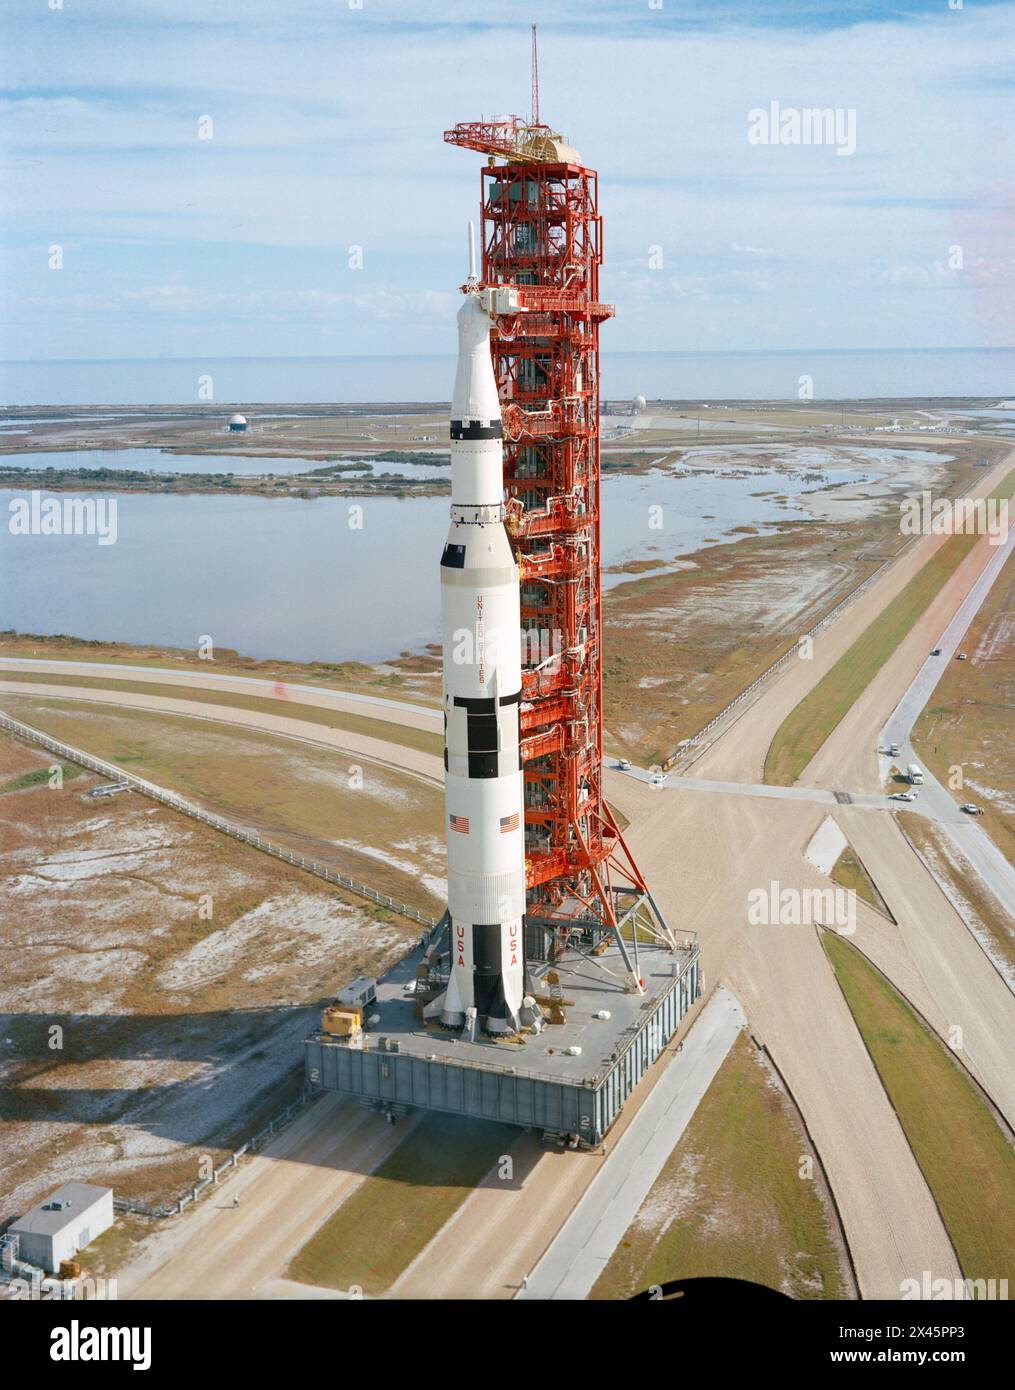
x=398 y=711
x=988 y=861
x=587 y=1240
x=817 y=795
x=285 y=1193
x=290 y=725
x=501 y=1230
x=411 y=762
x=703 y=857
x=935 y=959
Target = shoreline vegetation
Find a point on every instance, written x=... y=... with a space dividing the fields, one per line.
x=326 y=479
x=343 y=477
x=344 y=447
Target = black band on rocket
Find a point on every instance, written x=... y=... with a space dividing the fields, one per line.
x=476 y=429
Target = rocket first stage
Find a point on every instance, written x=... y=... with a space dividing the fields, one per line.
x=481 y=624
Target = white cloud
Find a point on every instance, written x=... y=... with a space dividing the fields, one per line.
x=327 y=132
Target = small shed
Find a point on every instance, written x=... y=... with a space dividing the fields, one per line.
x=63 y=1224
x=237 y=423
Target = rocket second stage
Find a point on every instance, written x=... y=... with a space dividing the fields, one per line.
x=481 y=625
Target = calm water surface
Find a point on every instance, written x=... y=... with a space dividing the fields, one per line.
x=294 y=578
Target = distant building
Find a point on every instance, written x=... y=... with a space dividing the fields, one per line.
x=63 y=1224
x=237 y=423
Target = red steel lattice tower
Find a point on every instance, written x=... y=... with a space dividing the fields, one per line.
x=542 y=236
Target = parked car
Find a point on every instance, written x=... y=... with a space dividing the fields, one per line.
x=903 y=796
x=961 y=656
x=658 y=779
x=893 y=750
x=623 y=765
x=936 y=651
x=971 y=810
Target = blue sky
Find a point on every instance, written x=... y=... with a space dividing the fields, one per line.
x=327 y=126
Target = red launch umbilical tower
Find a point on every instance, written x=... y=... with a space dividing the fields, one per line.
x=542 y=236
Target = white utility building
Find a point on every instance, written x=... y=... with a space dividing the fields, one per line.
x=63 y=1224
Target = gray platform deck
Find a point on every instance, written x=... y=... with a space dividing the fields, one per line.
x=532 y=1083
x=581 y=980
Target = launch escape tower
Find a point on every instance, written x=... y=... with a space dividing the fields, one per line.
x=542 y=236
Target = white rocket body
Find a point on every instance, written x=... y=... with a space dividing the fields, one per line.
x=481 y=626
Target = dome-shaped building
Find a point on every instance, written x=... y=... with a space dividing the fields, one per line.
x=237 y=423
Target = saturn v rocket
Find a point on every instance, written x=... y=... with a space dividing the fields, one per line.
x=481 y=625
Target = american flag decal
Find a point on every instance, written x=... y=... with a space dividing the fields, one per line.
x=460 y=823
x=508 y=823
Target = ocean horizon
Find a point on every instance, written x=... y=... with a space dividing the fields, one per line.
x=748 y=374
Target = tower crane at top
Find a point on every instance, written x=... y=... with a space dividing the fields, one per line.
x=513 y=138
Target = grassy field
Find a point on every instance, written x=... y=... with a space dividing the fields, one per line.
x=375 y=1235
x=387 y=832
x=414 y=677
x=185 y=969
x=965 y=1157
x=110 y=1251
x=730 y=1201
x=809 y=724
x=386 y=729
x=678 y=646
x=39 y=777
x=976 y=903
x=968 y=719
x=849 y=872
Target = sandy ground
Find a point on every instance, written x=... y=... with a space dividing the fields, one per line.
x=286 y=1193
x=935 y=958
x=783 y=977
x=183 y=971
x=794 y=1005
x=222 y=1250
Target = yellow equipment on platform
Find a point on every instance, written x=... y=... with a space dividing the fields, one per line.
x=342 y=1021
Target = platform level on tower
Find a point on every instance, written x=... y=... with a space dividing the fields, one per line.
x=536 y=1083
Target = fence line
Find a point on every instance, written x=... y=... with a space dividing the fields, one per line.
x=251 y=1146
x=188 y=808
